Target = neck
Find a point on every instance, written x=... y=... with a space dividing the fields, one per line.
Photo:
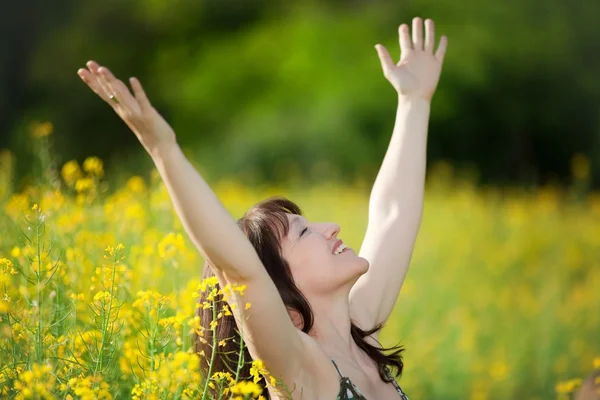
x=331 y=327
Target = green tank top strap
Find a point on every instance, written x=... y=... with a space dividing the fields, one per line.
x=337 y=369
x=349 y=391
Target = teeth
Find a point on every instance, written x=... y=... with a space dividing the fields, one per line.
x=341 y=248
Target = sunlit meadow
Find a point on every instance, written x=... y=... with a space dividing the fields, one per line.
x=98 y=287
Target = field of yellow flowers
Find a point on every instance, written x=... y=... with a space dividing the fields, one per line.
x=98 y=288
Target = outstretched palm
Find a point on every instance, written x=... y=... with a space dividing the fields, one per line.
x=418 y=71
x=135 y=109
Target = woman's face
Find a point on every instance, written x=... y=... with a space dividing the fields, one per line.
x=312 y=251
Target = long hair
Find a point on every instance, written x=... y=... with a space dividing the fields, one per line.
x=263 y=225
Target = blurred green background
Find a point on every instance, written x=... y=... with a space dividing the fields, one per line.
x=276 y=90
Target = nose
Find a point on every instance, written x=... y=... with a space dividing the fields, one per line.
x=331 y=230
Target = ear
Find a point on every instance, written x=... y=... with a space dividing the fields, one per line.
x=296 y=318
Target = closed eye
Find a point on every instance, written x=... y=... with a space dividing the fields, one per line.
x=303 y=230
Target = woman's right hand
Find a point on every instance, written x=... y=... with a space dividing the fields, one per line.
x=153 y=132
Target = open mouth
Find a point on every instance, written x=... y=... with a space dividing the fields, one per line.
x=340 y=249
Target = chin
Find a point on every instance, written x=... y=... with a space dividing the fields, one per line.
x=364 y=264
x=353 y=268
x=359 y=266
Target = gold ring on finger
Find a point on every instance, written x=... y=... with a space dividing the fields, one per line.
x=114 y=98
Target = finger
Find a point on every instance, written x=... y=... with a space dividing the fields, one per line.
x=92 y=82
x=405 y=42
x=386 y=60
x=139 y=93
x=92 y=66
x=101 y=82
x=417 y=33
x=117 y=88
x=441 y=50
x=92 y=78
x=107 y=89
x=429 y=35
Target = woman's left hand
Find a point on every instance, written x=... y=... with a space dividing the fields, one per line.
x=418 y=71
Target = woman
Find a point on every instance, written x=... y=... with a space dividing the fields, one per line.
x=326 y=302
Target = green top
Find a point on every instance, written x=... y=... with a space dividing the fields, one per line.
x=349 y=391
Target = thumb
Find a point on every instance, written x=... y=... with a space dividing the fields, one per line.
x=386 y=60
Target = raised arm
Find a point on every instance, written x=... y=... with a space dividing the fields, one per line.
x=209 y=226
x=396 y=201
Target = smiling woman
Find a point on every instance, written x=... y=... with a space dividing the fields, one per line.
x=296 y=254
x=316 y=310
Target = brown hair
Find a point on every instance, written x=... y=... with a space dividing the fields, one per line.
x=264 y=224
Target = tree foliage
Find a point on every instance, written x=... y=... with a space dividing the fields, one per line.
x=265 y=90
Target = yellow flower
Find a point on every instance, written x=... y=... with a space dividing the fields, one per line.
x=17 y=204
x=246 y=388
x=272 y=381
x=136 y=184
x=76 y=296
x=257 y=369
x=241 y=289
x=89 y=387
x=207 y=283
x=170 y=245
x=93 y=166
x=102 y=297
x=226 y=310
x=15 y=252
x=84 y=184
x=135 y=212
x=212 y=294
x=36 y=383
x=150 y=301
x=7 y=266
x=114 y=251
x=224 y=376
x=43 y=129
x=568 y=386
x=499 y=370
x=71 y=172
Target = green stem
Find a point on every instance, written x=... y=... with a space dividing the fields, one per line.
x=154 y=327
x=39 y=337
x=12 y=340
x=241 y=360
x=212 y=356
x=221 y=390
x=106 y=319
